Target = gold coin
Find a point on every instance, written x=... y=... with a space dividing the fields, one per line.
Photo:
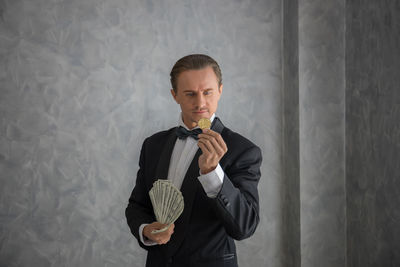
x=204 y=123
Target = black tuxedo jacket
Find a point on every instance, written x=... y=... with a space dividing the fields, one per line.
x=204 y=233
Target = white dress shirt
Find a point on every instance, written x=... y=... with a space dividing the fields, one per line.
x=181 y=158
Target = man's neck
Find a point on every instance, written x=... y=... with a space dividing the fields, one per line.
x=190 y=125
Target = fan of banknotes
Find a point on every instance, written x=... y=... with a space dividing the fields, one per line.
x=167 y=203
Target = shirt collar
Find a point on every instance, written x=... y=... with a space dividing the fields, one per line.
x=180 y=121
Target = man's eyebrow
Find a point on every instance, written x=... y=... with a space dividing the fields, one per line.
x=195 y=91
x=207 y=89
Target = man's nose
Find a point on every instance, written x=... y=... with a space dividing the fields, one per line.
x=200 y=100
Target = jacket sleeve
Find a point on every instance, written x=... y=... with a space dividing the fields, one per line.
x=139 y=209
x=237 y=203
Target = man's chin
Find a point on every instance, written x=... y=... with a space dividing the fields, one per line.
x=199 y=115
x=196 y=119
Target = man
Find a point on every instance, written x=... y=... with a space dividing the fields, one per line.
x=216 y=170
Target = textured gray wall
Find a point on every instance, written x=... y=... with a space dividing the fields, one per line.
x=373 y=133
x=83 y=82
x=290 y=137
x=322 y=132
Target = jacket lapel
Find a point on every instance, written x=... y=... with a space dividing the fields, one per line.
x=217 y=125
x=165 y=157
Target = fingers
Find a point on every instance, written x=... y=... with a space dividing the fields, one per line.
x=159 y=238
x=217 y=137
x=163 y=237
x=211 y=135
x=212 y=142
x=213 y=147
x=170 y=230
x=205 y=148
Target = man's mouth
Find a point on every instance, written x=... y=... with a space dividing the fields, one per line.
x=200 y=111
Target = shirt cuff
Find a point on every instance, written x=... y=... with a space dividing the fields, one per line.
x=143 y=239
x=212 y=181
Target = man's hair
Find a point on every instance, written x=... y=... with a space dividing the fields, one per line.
x=193 y=62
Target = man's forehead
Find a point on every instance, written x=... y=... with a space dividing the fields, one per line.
x=198 y=86
x=198 y=79
x=204 y=73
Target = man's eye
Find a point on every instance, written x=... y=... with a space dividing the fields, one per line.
x=189 y=94
x=207 y=92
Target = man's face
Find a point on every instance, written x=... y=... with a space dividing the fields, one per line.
x=197 y=94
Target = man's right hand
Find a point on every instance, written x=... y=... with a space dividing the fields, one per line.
x=159 y=238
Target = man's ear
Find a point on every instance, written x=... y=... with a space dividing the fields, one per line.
x=220 y=89
x=174 y=95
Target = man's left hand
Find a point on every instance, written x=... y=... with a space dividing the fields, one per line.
x=213 y=147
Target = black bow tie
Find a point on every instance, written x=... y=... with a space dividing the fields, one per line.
x=183 y=133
